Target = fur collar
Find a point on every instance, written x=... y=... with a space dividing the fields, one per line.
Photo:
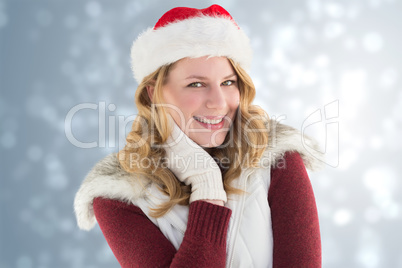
x=109 y=180
x=283 y=138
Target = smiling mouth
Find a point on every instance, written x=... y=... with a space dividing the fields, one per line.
x=209 y=121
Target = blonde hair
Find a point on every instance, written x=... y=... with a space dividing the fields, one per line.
x=150 y=128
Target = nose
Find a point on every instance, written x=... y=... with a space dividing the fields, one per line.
x=216 y=97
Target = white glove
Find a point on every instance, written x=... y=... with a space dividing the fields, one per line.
x=194 y=166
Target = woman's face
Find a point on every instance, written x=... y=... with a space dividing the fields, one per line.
x=202 y=96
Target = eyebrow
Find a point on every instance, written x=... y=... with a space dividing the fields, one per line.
x=205 y=78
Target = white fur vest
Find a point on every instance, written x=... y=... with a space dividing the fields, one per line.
x=249 y=241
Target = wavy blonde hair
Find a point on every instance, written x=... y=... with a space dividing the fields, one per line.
x=150 y=128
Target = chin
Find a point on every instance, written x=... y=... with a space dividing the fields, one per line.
x=209 y=146
x=207 y=143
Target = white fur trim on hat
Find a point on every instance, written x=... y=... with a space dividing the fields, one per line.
x=195 y=37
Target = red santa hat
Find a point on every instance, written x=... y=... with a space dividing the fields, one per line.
x=188 y=32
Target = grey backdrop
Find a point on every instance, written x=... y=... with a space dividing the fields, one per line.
x=331 y=68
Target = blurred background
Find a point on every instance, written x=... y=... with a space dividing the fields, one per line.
x=329 y=68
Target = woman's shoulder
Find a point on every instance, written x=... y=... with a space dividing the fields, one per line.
x=109 y=180
x=284 y=139
x=104 y=207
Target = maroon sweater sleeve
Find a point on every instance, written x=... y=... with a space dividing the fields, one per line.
x=137 y=242
x=295 y=226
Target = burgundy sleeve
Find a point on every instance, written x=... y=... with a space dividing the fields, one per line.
x=137 y=242
x=295 y=226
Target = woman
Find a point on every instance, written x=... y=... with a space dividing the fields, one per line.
x=206 y=179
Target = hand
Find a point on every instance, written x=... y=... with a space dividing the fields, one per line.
x=194 y=166
x=215 y=202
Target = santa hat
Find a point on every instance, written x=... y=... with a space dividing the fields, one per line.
x=188 y=32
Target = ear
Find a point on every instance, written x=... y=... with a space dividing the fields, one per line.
x=150 y=90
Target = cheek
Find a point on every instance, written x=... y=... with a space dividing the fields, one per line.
x=189 y=105
x=191 y=101
x=184 y=103
x=234 y=100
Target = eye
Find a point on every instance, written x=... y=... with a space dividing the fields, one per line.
x=195 y=84
x=228 y=82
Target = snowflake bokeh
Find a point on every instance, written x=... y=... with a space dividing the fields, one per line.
x=331 y=68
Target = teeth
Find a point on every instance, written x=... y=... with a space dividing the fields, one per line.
x=209 y=121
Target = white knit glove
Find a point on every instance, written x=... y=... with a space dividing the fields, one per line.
x=194 y=166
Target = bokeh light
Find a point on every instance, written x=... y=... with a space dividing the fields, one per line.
x=333 y=64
